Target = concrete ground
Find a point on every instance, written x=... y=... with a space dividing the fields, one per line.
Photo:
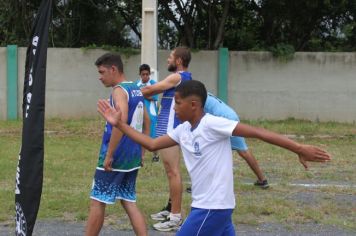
x=60 y=228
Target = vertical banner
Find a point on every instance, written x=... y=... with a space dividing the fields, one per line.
x=29 y=176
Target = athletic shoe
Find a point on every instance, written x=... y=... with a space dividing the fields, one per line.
x=189 y=189
x=161 y=216
x=155 y=158
x=263 y=184
x=168 y=225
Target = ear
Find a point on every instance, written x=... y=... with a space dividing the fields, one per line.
x=195 y=104
x=179 y=61
x=113 y=68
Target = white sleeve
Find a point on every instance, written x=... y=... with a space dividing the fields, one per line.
x=221 y=127
x=175 y=133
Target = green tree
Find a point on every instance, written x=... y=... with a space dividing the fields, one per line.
x=277 y=25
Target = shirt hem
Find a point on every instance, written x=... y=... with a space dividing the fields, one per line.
x=120 y=170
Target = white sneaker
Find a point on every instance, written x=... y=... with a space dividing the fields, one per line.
x=162 y=215
x=168 y=225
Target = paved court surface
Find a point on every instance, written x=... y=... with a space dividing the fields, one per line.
x=60 y=228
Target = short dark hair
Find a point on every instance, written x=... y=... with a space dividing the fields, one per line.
x=184 y=54
x=192 y=87
x=110 y=59
x=144 y=67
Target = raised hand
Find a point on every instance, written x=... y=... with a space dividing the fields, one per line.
x=312 y=154
x=112 y=115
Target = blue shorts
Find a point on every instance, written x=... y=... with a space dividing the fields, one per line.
x=109 y=186
x=238 y=143
x=207 y=222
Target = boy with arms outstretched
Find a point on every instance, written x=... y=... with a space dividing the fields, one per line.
x=205 y=143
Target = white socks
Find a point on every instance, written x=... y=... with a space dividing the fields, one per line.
x=175 y=217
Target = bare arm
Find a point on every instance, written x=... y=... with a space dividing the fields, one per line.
x=305 y=152
x=169 y=82
x=120 y=101
x=114 y=117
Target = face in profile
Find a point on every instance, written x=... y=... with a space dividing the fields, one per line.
x=172 y=67
x=106 y=75
x=180 y=107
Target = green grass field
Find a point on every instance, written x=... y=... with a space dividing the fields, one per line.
x=71 y=149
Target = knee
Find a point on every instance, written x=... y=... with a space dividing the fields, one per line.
x=243 y=154
x=173 y=172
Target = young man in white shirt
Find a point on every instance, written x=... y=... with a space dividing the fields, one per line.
x=205 y=143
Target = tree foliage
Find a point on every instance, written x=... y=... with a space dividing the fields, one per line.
x=305 y=25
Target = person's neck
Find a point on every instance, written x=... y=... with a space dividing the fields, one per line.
x=194 y=122
x=181 y=68
x=119 y=79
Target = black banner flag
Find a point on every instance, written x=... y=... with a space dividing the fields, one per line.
x=29 y=176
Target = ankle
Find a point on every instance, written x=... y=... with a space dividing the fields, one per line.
x=176 y=216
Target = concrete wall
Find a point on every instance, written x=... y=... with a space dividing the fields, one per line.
x=72 y=84
x=3 y=84
x=312 y=86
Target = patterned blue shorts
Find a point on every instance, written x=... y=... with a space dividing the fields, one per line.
x=113 y=185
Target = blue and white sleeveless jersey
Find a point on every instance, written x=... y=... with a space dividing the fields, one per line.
x=127 y=155
x=167 y=119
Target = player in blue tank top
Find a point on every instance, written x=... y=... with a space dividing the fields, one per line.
x=120 y=157
x=127 y=155
x=167 y=119
x=178 y=62
x=216 y=107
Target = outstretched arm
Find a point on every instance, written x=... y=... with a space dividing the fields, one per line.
x=305 y=152
x=114 y=117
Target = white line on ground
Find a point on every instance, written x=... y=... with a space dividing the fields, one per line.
x=312 y=185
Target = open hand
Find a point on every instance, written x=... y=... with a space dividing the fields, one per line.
x=312 y=154
x=112 y=115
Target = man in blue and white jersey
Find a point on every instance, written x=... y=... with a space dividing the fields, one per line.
x=177 y=62
x=120 y=157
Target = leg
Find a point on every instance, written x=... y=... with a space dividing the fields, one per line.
x=136 y=218
x=96 y=218
x=253 y=164
x=170 y=157
x=239 y=144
